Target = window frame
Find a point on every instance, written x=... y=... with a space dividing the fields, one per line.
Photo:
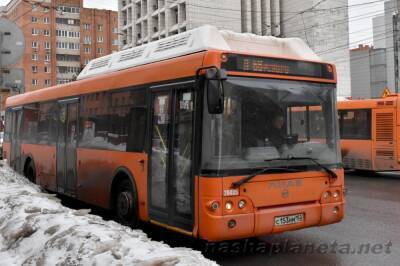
x=353 y=137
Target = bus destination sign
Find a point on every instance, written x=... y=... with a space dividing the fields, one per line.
x=266 y=65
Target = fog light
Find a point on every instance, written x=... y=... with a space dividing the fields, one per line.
x=335 y=209
x=229 y=205
x=327 y=194
x=242 y=204
x=214 y=205
x=231 y=223
x=336 y=194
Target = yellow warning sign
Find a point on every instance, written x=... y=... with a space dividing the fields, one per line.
x=386 y=92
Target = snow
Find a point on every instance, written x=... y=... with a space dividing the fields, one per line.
x=35 y=229
x=203 y=38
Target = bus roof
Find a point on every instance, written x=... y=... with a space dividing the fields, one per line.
x=200 y=39
x=369 y=103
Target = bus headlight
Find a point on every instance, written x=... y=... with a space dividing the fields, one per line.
x=336 y=195
x=242 y=204
x=228 y=205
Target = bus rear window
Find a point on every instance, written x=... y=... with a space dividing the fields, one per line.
x=355 y=124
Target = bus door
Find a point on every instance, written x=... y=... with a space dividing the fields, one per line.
x=171 y=175
x=66 y=146
x=15 y=153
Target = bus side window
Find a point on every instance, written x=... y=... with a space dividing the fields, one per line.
x=30 y=123
x=47 y=123
x=94 y=119
x=128 y=122
x=137 y=129
x=355 y=124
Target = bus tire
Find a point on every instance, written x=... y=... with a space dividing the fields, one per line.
x=30 y=171
x=126 y=203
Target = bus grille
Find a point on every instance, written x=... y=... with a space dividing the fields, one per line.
x=353 y=163
x=173 y=43
x=382 y=153
x=100 y=63
x=131 y=55
x=384 y=126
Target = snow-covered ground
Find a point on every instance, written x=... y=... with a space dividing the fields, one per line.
x=35 y=229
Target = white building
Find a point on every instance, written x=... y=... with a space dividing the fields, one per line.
x=3 y=11
x=144 y=21
x=323 y=27
x=378 y=29
x=368 y=72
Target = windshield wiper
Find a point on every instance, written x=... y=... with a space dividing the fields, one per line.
x=331 y=173
x=246 y=179
x=262 y=171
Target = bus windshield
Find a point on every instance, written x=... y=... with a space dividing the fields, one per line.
x=267 y=119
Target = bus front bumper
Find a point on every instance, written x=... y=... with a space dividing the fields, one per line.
x=262 y=221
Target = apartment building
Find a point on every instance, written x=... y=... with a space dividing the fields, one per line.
x=324 y=25
x=61 y=38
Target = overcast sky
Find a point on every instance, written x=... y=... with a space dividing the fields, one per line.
x=360 y=16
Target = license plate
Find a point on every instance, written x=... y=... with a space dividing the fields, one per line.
x=289 y=219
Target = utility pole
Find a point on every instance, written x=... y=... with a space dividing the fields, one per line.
x=395 y=18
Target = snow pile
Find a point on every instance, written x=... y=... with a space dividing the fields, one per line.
x=35 y=229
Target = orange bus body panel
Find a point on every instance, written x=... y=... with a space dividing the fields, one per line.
x=6 y=150
x=382 y=151
x=94 y=163
x=44 y=157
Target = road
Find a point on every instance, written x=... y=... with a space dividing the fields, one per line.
x=372 y=217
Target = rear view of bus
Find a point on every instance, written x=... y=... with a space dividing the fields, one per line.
x=368 y=130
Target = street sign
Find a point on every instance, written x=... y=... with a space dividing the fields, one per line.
x=386 y=92
x=12 y=42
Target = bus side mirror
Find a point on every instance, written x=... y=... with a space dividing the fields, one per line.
x=215 y=90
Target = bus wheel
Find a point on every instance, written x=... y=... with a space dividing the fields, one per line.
x=30 y=172
x=126 y=207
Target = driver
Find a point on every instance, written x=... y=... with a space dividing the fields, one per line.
x=276 y=131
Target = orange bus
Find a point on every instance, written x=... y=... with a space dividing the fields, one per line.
x=196 y=133
x=368 y=132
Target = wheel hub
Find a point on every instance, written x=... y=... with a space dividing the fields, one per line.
x=124 y=203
